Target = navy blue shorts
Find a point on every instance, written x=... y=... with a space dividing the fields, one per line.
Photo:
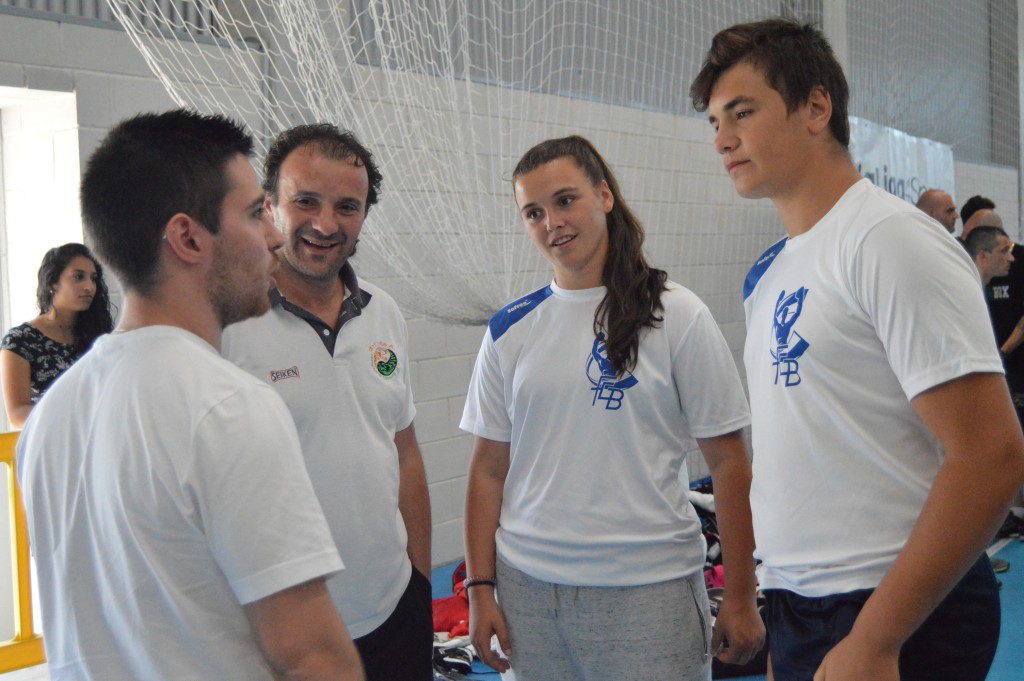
x=402 y=648
x=956 y=643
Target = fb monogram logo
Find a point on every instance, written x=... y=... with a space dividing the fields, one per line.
x=607 y=386
x=789 y=345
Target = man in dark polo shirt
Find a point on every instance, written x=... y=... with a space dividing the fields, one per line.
x=1005 y=298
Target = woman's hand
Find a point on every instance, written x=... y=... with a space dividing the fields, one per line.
x=485 y=621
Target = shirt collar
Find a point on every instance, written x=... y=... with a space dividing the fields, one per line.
x=349 y=280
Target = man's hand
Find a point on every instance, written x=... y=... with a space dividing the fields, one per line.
x=740 y=625
x=856 y=660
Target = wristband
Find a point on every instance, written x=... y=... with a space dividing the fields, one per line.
x=470 y=582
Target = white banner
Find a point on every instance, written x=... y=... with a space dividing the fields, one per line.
x=901 y=164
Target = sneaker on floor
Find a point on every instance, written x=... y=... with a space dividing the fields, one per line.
x=453 y=659
x=1000 y=565
x=1012 y=527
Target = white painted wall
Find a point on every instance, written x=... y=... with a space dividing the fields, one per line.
x=40 y=188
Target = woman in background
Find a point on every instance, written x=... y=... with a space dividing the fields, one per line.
x=584 y=555
x=74 y=310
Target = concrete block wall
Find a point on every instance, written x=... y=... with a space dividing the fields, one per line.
x=997 y=183
x=698 y=228
x=442 y=362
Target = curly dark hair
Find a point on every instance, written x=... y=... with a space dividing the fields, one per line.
x=634 y=287
x=973 y=205
x=91 y=323
x=330 y=141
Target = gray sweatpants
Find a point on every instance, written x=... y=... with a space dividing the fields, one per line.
x=654 y=632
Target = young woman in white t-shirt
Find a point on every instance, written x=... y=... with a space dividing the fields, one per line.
x=584 y=556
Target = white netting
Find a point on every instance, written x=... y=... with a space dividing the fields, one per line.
x=449 y=93
x=942 y=70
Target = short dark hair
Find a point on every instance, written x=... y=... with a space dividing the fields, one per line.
x=983 y=240
x=794 y=58
x=973 y=205
x=329 y=140
x=147 y=169
x=90 y=323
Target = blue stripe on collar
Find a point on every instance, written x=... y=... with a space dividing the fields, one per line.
x=761 y=266
x=504 y=318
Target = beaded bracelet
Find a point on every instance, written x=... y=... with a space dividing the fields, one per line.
x=470 y=582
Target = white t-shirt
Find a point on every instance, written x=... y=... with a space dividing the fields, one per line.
x=164 y=488
x=347 y=408
x=846 y=324
x=596 y=493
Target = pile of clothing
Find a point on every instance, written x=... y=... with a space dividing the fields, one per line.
x=453 y=653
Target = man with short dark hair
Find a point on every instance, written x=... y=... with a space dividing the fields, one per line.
x=173 y=522
x=1004 y=294
x=877 y=399
x=939 y=205
x=336 y=349
x=990 y=248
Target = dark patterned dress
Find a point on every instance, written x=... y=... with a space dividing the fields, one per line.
x=47 y=359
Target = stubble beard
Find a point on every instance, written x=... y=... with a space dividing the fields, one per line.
x=232 y=300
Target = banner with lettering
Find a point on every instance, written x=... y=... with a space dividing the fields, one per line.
x=901 y=164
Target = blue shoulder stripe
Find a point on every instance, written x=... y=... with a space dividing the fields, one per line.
x=504 y=318
x=761 y=266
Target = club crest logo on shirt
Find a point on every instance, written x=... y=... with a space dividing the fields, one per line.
x=788 y=345
x=607 y=386
x=384 y=359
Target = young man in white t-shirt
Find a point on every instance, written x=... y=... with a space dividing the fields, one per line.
x=175 y=528
x=885 y=446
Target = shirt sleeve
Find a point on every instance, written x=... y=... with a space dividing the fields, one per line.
x=486 y=412
x=923 y=294
x=710 y=391
x=260 y=515
x=409 y=411
x=15 y=340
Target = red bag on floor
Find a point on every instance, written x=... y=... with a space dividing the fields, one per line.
x=451 y=614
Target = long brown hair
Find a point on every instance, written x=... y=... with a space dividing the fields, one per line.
x=91 y=323
x=633 y=300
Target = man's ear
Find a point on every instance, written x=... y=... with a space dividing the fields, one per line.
x=188 y=240
x=818 y=110
x=268 y=206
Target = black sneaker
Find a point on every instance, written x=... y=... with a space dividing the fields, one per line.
x=1000 y=565
x=1012 y=527
x=453 y=659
